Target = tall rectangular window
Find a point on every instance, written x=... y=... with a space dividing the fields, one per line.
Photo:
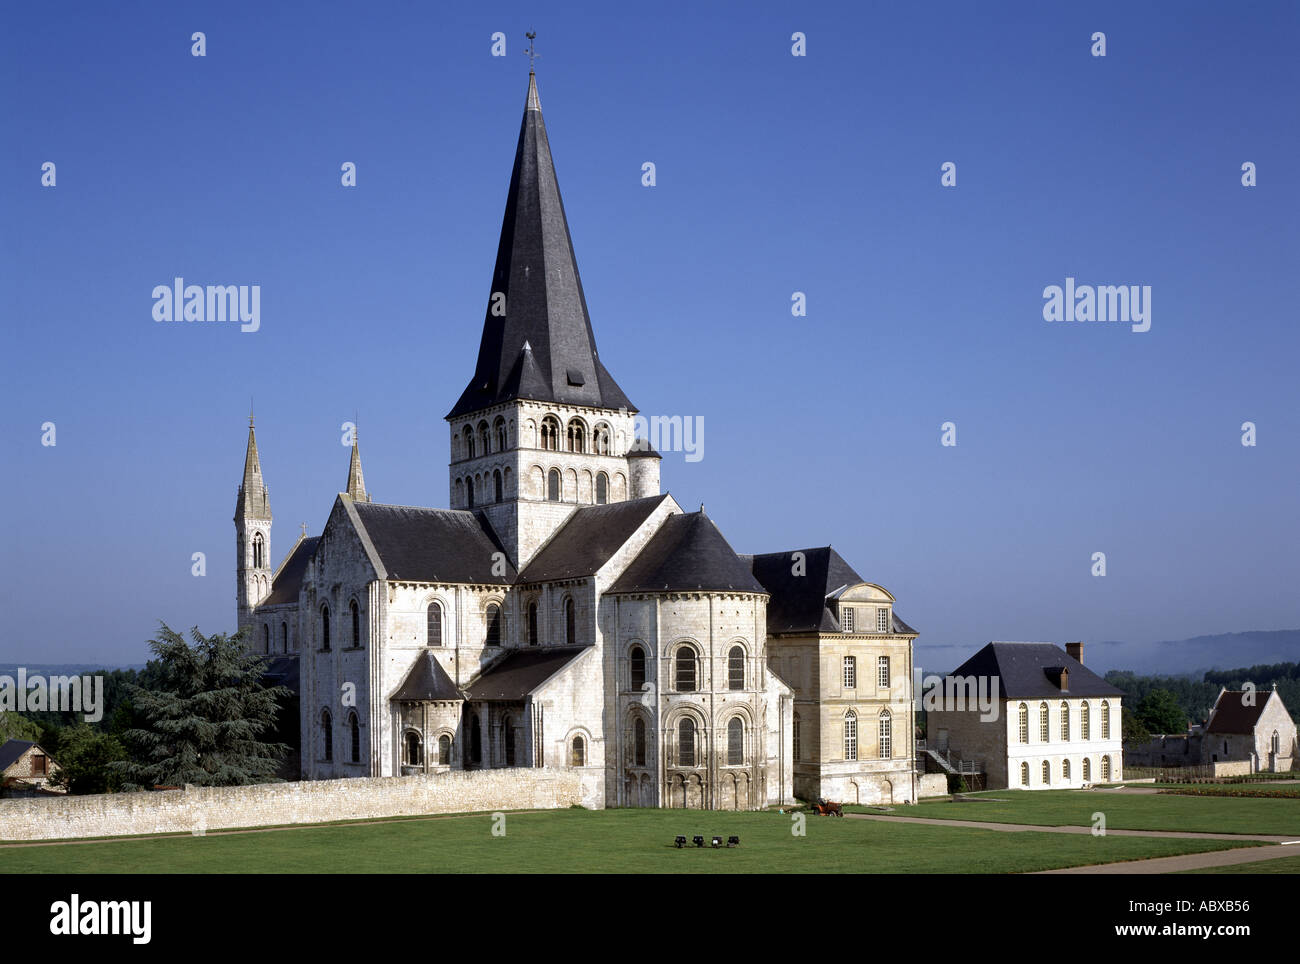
x=850 y=672
x=882 y=672
x=846 y=618
x=886 y=736
x=882 y=620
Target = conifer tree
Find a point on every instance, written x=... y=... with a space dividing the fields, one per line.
x=205 y=718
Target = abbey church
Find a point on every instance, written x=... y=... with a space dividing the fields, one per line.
x=564 y=611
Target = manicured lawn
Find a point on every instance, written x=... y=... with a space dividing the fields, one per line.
x=1160 y=811
x=611 y=841
x=1283 y=865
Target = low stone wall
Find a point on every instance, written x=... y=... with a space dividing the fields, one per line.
x=195 y=809
x=1231 y=768
x=932 y=785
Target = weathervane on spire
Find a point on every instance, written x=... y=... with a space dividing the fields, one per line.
x=532 y=54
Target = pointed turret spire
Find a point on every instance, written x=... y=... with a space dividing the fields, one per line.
x=253 y=501
x=356 y=481
x=536 y=297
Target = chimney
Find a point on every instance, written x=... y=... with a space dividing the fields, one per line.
x=1074 y=651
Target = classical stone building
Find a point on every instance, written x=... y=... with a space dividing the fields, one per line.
x=565 y=612
x=1250 y=726
x=1057 y=724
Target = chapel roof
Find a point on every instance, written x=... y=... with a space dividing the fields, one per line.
x=588 y=538
x=435 y=545
x=687 y=554
x=288 y=580
x=427 y=681
x=1232 y=715
x=520 y=672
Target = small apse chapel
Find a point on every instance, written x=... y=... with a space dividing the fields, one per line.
x=564 y=612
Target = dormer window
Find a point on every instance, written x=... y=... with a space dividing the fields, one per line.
x=882 y=620
x=846 y=618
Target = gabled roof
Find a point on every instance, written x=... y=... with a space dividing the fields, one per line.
x=520 y=672
x=433 y=545
x=543 y=346
x=588 y=538
x=288 y=580
x=12 y=751
x=799 y=602
x=1232 y=715
x=427 y=681
x=687 y=554
x=1022 y=670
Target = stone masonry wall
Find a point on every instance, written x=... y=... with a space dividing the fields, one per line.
x=311 y=801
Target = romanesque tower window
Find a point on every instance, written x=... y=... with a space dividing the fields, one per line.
x=577 y=436
x=636 y=662
x=356 y=624
x=736 y=668
x=1065 y=721
x=1085 y=723
x=484 y=439
x=684 y=670
x=259 y=551
x=412 y=756
x=686 y=742
x=638 y=742
x=551 y=433
x=1047 y=773
x=882 y=672
x=578 y=752
x=570 y=623
x=469 y=442
x=444 y=750
x=1024 y=723
x=354 y=728
x=469 y=491
x=327 y=736
x=433 y=625
x=886 y=734
x=493 y=624
x=499 y=490
x=553 y=485
x=602 y=488
x=850 y=735
x=850 y=672
x=499 y=429
x=600 y=440
x=1044 y=729
x=735 y=742
x=1024 y=774
x=1105 y=723
x=325 y=628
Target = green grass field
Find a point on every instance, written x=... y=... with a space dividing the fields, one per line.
x=1284 y=865
x=1051 y=808
x=575 y=841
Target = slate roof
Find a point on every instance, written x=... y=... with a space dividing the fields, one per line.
x=289 y=579
x=1022 y=670
x=588 y=538
x=427 y=680
x=543 y=347
x=798 y=603
x=433 y=545
x=1231 y=715
x=520 y=672
x=12 y=750
x=687 y=554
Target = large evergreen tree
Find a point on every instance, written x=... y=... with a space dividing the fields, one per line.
x=205 y=718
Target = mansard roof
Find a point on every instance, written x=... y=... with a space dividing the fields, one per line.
x=687 y=554
x=588 y=538
x=426 y=682
x=434 y=545
x=543 y=346
x=1232 y=715
x=799 y=602
x=288 y=579
x=520 y=672
x=1022 y=671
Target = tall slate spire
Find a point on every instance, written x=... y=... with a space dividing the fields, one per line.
x=536 y=298
x=253 y=501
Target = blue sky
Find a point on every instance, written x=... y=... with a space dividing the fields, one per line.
x=775 y=174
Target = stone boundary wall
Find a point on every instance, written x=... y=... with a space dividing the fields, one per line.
x=196 y=809
x=932 y=785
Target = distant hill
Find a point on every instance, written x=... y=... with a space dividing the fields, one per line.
x=1192 y=657
x=61 y=669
